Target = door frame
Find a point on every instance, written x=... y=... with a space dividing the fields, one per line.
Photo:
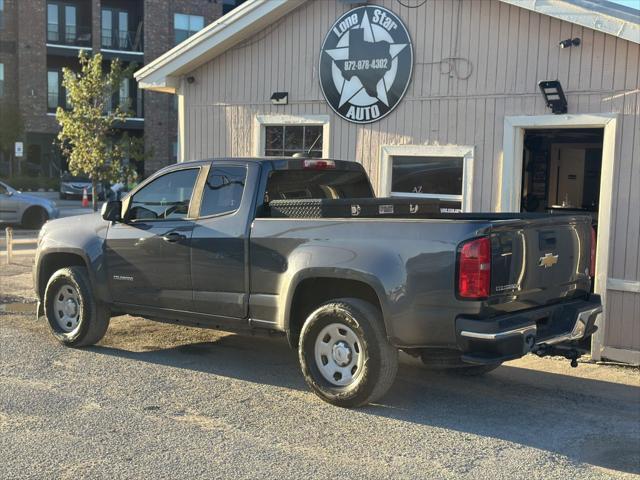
x=511 y=184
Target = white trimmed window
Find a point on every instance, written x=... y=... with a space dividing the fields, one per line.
x=286 y=135
x=426 y=171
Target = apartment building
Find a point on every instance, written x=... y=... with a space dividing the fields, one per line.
x=38 y=38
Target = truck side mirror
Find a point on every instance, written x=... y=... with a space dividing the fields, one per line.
x=111 y=211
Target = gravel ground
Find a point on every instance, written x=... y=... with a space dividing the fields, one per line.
x=161 y=401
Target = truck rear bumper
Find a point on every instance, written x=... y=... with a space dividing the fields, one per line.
x=512 y=336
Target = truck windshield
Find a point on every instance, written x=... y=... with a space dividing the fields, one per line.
x=330 y=184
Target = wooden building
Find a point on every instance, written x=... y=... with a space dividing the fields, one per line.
x=472 y=124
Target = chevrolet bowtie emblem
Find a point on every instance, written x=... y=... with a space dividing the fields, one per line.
x=549 y=260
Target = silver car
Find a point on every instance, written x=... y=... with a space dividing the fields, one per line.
x=28 y=210
x=73 y=187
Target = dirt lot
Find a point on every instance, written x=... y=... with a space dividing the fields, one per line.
x=160 y=401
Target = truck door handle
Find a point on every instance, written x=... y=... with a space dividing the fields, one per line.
x=173 y=237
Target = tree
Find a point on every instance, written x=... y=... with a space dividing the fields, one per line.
x=87 y=126
x=11 y=128
x=134 y=150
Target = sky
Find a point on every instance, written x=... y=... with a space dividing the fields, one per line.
x=628 y=3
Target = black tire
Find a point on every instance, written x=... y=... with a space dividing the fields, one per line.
x=34 y=218
x=92 y=318
x=379 y=364
x=473 y=370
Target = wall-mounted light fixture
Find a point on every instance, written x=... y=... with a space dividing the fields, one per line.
x=554 y=96
x=280 y=98
x=570 y=42
x=191 y=79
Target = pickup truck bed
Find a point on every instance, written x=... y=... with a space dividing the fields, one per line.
x=301 y=247
x=390 y=207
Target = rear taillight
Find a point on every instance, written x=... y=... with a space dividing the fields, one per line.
x=474 y=269
x=319 y=164
x=592 y=265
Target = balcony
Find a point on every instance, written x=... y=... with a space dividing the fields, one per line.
x=69 y=36
x=122 y=40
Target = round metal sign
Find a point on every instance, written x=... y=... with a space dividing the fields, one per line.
x=366 y=64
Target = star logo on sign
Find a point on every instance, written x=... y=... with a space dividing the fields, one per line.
x=365 y=64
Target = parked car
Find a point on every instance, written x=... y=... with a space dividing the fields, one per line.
x=28 y=210
x=72 y=186
x=300 y=247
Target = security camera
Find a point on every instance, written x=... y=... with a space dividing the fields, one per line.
x=570 y=42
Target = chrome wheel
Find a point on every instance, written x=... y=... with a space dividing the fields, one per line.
x=66 y=308
x=339 y=354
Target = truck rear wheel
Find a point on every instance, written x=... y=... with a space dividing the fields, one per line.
x=344 y=353
x=75 y=318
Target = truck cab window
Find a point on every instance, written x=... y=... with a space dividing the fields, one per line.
x=165 y=198
x=223 y=190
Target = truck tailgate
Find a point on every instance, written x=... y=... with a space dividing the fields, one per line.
x=540 y=261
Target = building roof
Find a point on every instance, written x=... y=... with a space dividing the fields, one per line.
x=600 y=15
x=164 y=72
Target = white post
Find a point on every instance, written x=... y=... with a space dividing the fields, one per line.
x=9 y=239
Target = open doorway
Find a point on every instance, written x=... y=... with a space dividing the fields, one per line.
x=561 y=170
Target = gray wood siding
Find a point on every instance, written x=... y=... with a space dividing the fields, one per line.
x=508 y=48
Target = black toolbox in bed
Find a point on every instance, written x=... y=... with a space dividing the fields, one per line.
x=362 y=207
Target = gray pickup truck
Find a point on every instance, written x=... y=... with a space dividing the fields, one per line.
x=302 y=248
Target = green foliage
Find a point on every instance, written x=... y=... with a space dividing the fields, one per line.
x=87 y=127
x=133 y=149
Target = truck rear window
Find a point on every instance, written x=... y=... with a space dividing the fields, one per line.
x=330 y=184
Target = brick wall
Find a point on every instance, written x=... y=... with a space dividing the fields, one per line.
x=9 y=52
x=95 y=24
x=24 y=53
x=160 y=114
x=32 y=68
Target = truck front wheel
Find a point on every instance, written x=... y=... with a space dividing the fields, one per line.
x=74 y=316
x=344 y=353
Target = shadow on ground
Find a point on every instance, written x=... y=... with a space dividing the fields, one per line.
x=551 y=412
